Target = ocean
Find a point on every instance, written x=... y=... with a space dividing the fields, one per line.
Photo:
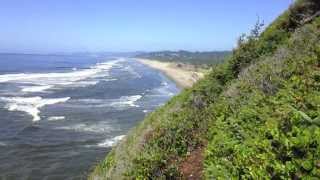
x=61 y=114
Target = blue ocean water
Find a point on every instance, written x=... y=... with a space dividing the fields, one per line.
x=61 y=114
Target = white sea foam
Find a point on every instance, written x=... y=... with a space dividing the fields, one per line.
x=126 y=101
x=36 y=88
x=83 y=127
x=56 y=118
x=111 y=142
x=83 y=83
x=3 y=144
x=132 y=71
x=122 y=102
x=31 y=105
x=164 y=83
x=40 y=82
x=163 y=90
x=44 y=81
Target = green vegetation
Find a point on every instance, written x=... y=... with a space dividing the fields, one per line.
x=256 y=116
x=266 y=122
x=194 y=58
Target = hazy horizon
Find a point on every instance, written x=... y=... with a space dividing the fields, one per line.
x=110 y=52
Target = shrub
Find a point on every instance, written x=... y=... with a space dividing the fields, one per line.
x=258 y=134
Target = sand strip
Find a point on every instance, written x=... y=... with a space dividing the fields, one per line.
x=182 y=74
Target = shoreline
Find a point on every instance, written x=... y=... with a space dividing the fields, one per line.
x=183 y=75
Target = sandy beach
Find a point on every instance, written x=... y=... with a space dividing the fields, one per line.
x=184 y=75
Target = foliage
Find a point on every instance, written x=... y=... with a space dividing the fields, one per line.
x=257 y=114
x=272 y=135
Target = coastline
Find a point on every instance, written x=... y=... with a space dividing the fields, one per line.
x=183 y=75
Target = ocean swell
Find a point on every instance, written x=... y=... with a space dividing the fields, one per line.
x=32 y=83
x=44 y=81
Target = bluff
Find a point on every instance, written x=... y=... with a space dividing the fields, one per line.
x=255 y=116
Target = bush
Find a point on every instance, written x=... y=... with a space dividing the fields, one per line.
x=258 y=134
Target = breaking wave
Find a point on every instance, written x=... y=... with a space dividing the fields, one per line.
x=45 y=81
x=36 y=88
x=101 y=127
x=111 y=142
x=41 y=82
x=30 y=105
x=122 y=102
x=127 y=101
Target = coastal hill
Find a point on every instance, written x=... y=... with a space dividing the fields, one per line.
x=195 y=58
x=255 y=116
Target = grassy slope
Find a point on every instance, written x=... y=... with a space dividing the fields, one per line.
x=256 y=115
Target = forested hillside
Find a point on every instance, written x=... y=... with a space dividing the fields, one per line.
x=195 y=58
x=255 y=116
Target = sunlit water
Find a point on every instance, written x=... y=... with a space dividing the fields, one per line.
x=60 y=115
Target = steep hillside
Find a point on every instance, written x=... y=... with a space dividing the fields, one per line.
x=255 y=116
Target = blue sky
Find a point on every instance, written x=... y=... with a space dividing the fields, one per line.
x=46 y=26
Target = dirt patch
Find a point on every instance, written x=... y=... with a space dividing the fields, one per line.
x=191 y=168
